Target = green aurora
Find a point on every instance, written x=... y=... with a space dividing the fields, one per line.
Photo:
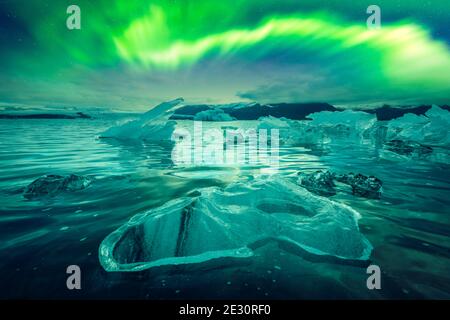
x=130 y=54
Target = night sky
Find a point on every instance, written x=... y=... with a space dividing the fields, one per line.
x=132 y=54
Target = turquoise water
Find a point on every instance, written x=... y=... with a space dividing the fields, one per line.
x=409 y=227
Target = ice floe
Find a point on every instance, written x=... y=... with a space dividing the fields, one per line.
x=228 y=224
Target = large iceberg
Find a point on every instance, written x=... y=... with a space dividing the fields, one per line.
x=431 y=129
x=322 y=127
x=220 y=226
x=154 y=125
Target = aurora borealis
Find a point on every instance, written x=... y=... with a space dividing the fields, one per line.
x=131 y=54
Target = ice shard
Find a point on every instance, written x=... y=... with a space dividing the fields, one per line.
x=154 y=125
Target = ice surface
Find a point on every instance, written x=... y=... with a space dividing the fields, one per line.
x=431 y=129
x=223 y=225
x=52 y=185
x=213 y=115
x=154 y=125
x=353 y=121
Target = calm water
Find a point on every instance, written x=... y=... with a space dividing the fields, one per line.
x=409 y=226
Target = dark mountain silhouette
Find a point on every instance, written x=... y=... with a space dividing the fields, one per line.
x=387 y=112
x=188 y=112
x=79 y=115
x=294 y=111
x=253 y=111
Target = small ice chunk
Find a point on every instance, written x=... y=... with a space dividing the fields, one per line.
x=368 y=187
x=52 y=185
x=319 y=182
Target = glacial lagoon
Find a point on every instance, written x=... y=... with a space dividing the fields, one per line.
x=274 y=248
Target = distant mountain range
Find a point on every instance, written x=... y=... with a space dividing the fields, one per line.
x=294 y=111
x=388 y=113
x=78 y=115
x=253 y=111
